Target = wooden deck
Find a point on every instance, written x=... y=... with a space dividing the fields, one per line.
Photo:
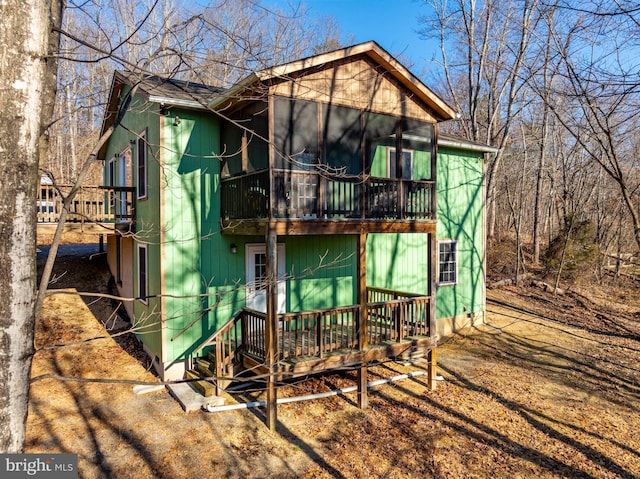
x=94 y=209
x=311 y=342
x=307 y=202
x=296 y=366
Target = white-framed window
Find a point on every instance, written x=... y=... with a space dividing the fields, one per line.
x=143 y=273
x=142 y=165
x=111 y=181
x=407 y=164
x=447 y=262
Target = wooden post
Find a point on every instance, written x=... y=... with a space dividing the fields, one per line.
x=363 y=321
x=399 y=171
x=218 y=366
x=431 y=372
x=271 y=326
x=433 y=261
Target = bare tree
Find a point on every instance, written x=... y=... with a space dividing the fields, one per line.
x=603 y=93
x=483 y=47
x=28 y=76
x=159 y=36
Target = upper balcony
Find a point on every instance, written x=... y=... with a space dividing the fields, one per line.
x=313 y=202
x=305 y=167
x=94 y=209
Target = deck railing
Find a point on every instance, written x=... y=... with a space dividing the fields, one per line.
x=311 y=195
x=395 y=315
x=92 y=204
x=316 y=333
x=392 y=316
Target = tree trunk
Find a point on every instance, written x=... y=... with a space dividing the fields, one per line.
x=28 y=79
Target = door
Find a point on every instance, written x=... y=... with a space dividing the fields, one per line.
x=256 y=269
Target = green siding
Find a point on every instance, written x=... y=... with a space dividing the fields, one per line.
x=398 y=261
x=421 y=165
x=194 y=272
x=379 y=165
x=460 y=203
x=322 y=272
x=139 y=117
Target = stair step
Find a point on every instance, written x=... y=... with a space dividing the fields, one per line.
x=206 y=388
x=211 y=356
x=204 y=367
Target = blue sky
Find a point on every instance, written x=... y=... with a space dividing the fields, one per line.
x=391 y=23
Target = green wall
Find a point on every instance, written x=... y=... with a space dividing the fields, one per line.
x=460 y=203
x=195 y=272
x=400 y=261
x=322 y=271
x=205 y=282
x=141 y=116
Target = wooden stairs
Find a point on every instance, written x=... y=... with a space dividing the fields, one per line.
x=204 y=371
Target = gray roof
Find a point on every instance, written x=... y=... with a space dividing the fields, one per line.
x=172 y=92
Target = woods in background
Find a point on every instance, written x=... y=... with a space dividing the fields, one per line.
x=554 y=85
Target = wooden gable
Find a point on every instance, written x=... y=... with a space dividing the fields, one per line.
x=363 y=76
x=357 y=83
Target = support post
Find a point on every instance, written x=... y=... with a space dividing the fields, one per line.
x=362 y=326
x=431 y=371
x=271 y=326
x=401 y=203
x=433 y=261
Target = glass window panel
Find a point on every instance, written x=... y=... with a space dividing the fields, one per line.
x=295 y=133
x=260 y=270
x=447 y=262
x=342 y=138
x=407 y=164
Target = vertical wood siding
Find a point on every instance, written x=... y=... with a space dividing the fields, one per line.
x=460 y=201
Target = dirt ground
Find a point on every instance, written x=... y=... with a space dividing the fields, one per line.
x=549 y=393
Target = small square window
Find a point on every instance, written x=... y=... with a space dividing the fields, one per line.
x=447 y=262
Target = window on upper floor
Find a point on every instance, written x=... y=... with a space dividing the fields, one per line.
x=447 y=262
x=142 y=165
x=407 y=164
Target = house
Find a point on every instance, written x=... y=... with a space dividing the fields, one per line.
x=288 y=224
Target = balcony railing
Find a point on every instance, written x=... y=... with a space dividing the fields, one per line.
x=313 y=195
x=92 y=204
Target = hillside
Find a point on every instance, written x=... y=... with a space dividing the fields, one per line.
x=548 y=388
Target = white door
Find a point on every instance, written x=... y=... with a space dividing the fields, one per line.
x=256 y=264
